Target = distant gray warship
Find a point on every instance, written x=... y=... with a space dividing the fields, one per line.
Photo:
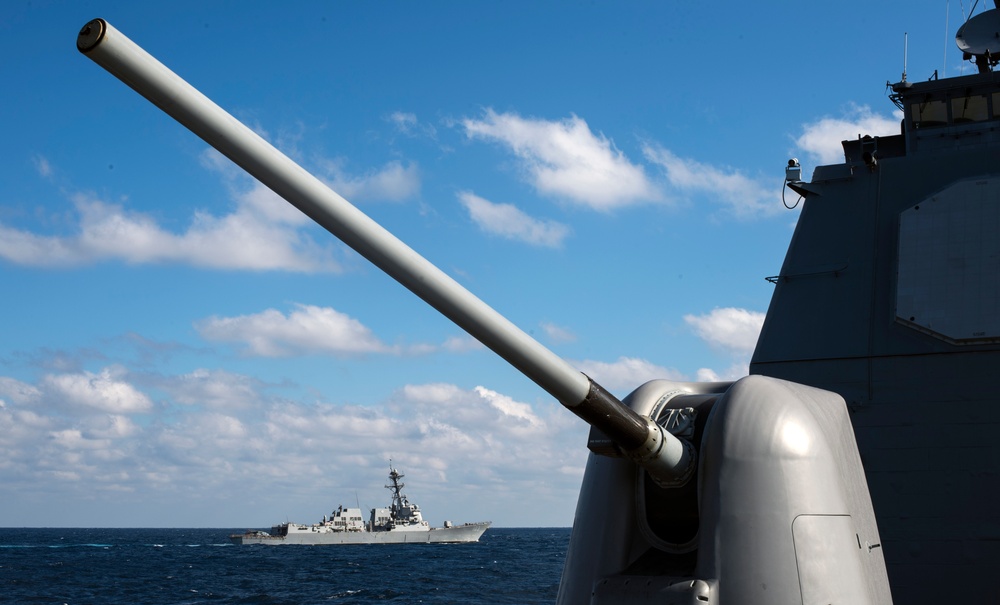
x=400 y=523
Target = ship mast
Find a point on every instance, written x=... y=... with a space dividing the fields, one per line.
x=396 y=487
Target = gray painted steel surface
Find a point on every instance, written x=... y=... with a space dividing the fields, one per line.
x=906 y=332
x=860 y=456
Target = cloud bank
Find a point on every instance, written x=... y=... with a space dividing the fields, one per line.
x=565 y=159
x=507 y=221
x=731 y=330
x=215 y=432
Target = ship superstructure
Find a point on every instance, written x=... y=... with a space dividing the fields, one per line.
x=401 y=522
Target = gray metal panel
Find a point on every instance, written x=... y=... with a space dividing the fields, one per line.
x=775 y=451
x=949 y=263
x=816 y=312
x=826 y=552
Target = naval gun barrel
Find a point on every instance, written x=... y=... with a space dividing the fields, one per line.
x=666 y=458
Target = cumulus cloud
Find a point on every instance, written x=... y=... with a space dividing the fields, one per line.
x=822 y=139
x=460 y=344
x=743 y=196
x=557 y=333
x=408 y=124
x=260 y=202
x=731 y=329
x=17 y=391
x=244 y=239
x=393 y=182
x=214 y=389
x=453 y=443
x=262 y=232
x=106 y=391
x=566 y=160
x=510 y=222
x=462 y=413
x=509 y=407
x=627 y=373
x=43 y=166
x=306 y=330
x=733 y=372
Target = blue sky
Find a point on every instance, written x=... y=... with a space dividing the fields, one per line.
x=179 y=347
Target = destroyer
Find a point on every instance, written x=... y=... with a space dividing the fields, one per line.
x=398 y=524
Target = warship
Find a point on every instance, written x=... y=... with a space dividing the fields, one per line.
x=401 y=523
x=858 y=462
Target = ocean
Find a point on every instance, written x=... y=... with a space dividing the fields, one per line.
x=194 y=566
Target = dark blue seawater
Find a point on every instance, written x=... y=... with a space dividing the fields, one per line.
x=189 y=566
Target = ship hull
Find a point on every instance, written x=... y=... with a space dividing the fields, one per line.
x=470 y=532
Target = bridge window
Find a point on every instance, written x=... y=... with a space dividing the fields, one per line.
x=996 y=105
x=929 y=113
x=969 y=109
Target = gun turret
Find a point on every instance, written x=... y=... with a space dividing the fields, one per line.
x=668 y=459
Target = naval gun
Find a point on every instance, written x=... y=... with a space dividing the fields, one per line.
x=750 y=492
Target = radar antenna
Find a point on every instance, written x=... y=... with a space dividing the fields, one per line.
x=979 y=39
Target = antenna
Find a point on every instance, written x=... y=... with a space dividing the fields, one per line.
x=905 y=42
x=978 y=38
x=944 y=60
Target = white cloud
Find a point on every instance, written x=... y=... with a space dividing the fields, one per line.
x=214 y=389
x=306 y=330
x=262 y=232
x=734 y=372
x=393 y=182
x=243 y=239
x=73 y=439
x=565 y=159
x=454 y=445
x=260 y=202
x=558 y=333
x=822 y=139
x=479 y=418
x=408 y=124
x=508 y=221
x=18 y=392
x=743 y=196
x=105 y=391
x=509 y=407
x=43 y=166
x=731 y=329
x=461 y=344
x=626 y=374
x=110 y=426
